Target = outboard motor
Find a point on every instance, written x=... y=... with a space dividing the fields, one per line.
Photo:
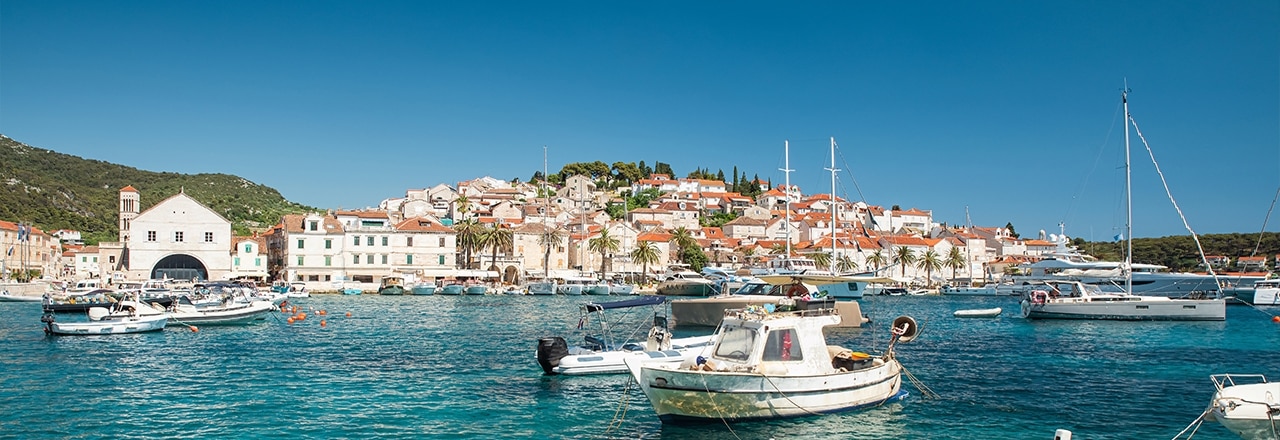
x=550 y=351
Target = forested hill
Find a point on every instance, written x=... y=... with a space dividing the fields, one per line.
x=1179 y=252
x=59 y=191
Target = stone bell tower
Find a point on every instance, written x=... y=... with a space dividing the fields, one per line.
x=130 y=206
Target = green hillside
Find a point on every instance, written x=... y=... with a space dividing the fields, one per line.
x=60 y=191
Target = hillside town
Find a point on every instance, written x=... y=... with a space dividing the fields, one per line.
x=548 y=234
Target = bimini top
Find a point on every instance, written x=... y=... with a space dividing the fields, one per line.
x=645 y=300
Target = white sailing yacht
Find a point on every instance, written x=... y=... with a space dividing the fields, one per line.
x=1075 y=300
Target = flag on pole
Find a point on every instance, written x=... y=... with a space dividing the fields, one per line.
x=10 y=253
x=1119 y=237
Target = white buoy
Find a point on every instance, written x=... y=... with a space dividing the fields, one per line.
x=1062 y=434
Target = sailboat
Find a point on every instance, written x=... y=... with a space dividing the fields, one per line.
x=1075 y=300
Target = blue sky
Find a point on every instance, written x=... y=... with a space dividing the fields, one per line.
x=1007 y=108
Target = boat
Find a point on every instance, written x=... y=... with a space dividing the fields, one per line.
x=297 y=290
x=602 y=354
x=1265 y=293
x=780 y=292
x=978 y=313
x=476 y=289
x=451 y=289
x=5 y=296
x=596 y=288
x=423 y=288
x=1075 y=300
x=391 y=285
x=769 y=365
x=128 y=315
x=79 y=302
x=622 y=289
x=229 y=313
x=965 y=289
x=680 y=281
x=1250 y=409
x=542 y=287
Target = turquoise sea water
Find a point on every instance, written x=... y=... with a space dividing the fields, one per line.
x=463 y=366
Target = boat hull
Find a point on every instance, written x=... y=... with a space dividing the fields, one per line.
x=236 y=315
x=596 y=289
x=1244 y=409
x=9 y=297
x=685 y=288
x=424 y=290
x=969 y=291
x=1127 y=310
x=391 y=290
x=542 y=288
x=451 y=289
x=683 y=396
x=140 y=324
x=614 y=362
x=475 y=290
x=846 y=290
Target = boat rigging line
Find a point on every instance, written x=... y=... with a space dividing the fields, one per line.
x=925 y=391
x=1164 y=182
x=1194 y=426
x=620 y=414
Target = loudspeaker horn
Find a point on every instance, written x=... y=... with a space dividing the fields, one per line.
x=906 y=328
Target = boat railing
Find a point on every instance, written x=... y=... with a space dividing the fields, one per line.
x=761 y=312
x=1221 y=381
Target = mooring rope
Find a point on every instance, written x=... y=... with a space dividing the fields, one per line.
x=924 y=389
x=707 y=388
x=1194 y=426
x=620 y=414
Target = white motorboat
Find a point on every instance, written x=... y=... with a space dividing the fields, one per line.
x=5 y=296
x=1266 y=293
x=1251 y=410
x=126 y=316
x=773 y=365
x=680 y=281
x=968 y=290
x=600 y=354
x=230 y=313
x=978 y=313
x=790 y=292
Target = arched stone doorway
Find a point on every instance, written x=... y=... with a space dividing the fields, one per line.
x=511 y=275
x=179 y=267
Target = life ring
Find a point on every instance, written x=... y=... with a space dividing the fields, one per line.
x=796 y=290
x=1039 y=296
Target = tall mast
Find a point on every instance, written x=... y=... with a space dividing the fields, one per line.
x=1128 y=198
x=786 y=193
x=546 y=211
x=835 y=209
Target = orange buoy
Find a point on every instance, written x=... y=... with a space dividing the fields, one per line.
x=322 y=323
x=322 y=313
x=290 y=320
x=1275 y=319
x=194 y=328
x=348 y=314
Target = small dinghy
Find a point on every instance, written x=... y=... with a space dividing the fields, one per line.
x=978 y=313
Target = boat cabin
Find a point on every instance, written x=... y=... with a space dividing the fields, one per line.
x=780 y=343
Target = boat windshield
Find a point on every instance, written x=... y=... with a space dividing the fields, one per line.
x=736 y=344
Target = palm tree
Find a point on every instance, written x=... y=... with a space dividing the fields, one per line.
x=877 y=259
x=845 y=264
x=498 y=237
x=604 y=244
x=683 y=239
x=822 y=259
x=904 y=256
x=549 y=239
x=955 y=261
x=750 y=255
x=778 y=249
x=464 y=206
x=929 y=262
x=645 y=253
x=469 y=235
